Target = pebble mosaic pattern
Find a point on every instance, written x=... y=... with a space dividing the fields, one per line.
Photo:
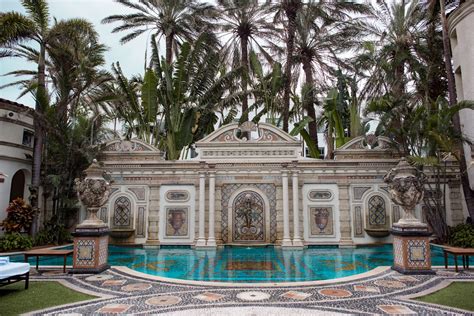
x=381 y=293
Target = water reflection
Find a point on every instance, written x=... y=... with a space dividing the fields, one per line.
x=248 y=264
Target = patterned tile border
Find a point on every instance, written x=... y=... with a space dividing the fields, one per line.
x=368 y=295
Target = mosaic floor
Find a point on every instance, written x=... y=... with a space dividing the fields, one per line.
x=385 y=292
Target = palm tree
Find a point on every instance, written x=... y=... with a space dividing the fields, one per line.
x=286 y=12
x=191 y=91
x=246 y=25
x=68 y=58
x=174 y=20
x=16 y=28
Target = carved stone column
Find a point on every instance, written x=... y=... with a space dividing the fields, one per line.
x=296 y=210
x=201 y=242
x=211 y=241
x=91 y=236
x=286 y=242
x=345 y=227
x=411 y=245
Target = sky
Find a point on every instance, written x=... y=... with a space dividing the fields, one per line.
x=130 y=55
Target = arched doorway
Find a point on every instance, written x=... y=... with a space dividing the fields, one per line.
x=248 y=218
x=18 y=185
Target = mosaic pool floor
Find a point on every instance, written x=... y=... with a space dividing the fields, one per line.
x=250 y=265
x=382 y=291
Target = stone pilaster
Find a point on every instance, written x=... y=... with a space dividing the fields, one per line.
x=211 y=241
x=345 y=217
x=286 y=242
x=296 y=210
x=153 y=217
x=201 y=241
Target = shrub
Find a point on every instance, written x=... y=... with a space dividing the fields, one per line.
x=19 y=216
x=462 y=235
x=15 y=241
x=52 y=233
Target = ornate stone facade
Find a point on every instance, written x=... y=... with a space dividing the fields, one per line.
x=294 y=201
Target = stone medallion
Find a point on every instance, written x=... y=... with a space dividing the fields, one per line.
x=209 y=297
x=253 y=296
x=296 y=295
x=163 y=300
x=99 y=277
x=335 y=293
x=136 y=287
x=396 y=310
x=390 y=284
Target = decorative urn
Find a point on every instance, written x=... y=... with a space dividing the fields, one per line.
x=411 y=244
x=93 y=191
x=406 y=187
x=91 y=236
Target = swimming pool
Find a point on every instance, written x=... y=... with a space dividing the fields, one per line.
x=241 y=264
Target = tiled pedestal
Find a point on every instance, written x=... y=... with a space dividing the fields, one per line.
x=411 y=250
x=90 y=250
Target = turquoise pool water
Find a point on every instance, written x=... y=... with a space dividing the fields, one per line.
x=240 y=264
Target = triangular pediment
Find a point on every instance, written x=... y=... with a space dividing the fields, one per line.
x=248 y=140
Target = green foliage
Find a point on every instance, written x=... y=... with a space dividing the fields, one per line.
x=462 y=235
x=52 y=233
x=300 y=129
x=19 y=216
x=15 y=241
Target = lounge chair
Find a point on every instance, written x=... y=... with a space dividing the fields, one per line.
x=14 y=272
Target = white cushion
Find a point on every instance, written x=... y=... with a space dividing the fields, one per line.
x=13 y=268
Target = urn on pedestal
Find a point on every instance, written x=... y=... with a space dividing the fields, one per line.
x=411 y=246
x=91 y=236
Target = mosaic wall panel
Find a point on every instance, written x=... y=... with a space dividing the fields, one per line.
x=359 y=192
x=398 y=251
x=377 y=211
x=417 y=253
x=228 y=189
x=321 y=220
x=177 y=196
x=85 y=255
x=103 y=250
x=141 y=222
x=177 y=222
x=122 y=212
x=248 y=217
x=320 y=195
x=358 y=222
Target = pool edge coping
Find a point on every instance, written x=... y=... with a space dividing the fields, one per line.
x=355 y=277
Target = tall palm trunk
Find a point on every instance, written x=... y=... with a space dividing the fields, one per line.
x=169 y=48
x=309 y=104
x=38 y=137
x=245 y=73
x=468 y=193
x=290 y=44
